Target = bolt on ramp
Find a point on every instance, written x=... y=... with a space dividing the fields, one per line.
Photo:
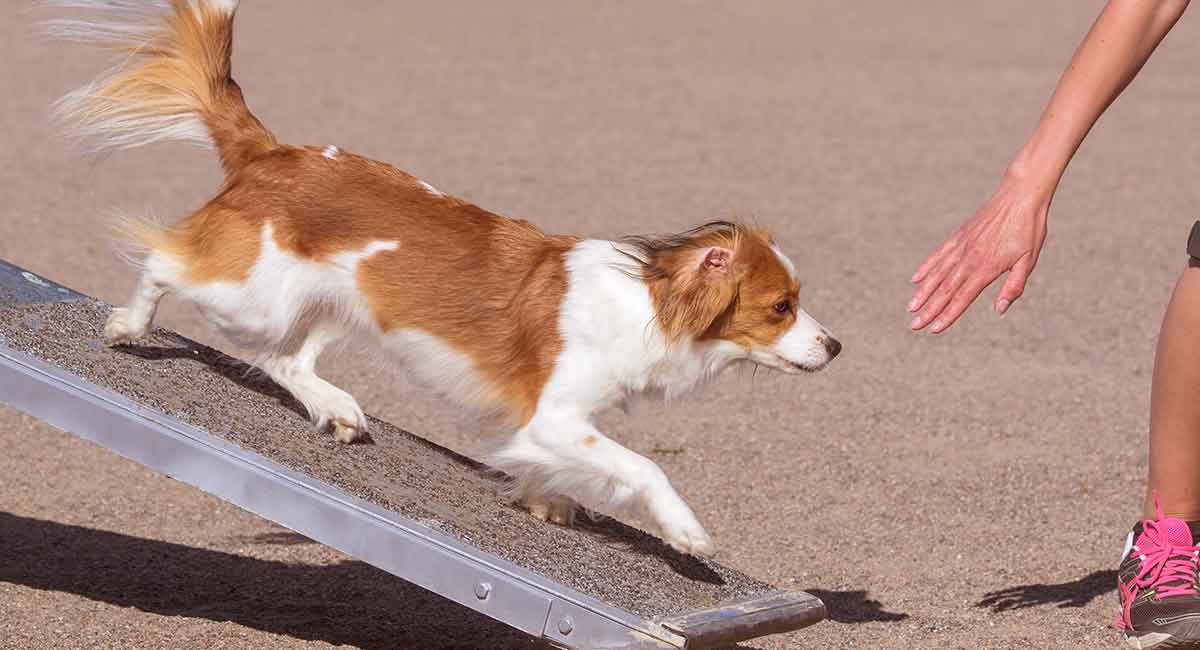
x=403 y=504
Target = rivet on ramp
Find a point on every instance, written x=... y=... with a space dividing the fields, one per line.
x=566 y=625
x=482 y=590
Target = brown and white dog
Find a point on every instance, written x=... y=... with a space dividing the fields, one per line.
x=303 y=246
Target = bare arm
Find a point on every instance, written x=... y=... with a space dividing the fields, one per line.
x=1007 y=233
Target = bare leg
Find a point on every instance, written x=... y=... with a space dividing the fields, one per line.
x=326 y=403
x=1175 y=405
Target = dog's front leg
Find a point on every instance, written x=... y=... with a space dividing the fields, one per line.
x=557 y=456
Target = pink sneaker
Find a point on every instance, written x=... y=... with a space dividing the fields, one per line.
x=1160 y=596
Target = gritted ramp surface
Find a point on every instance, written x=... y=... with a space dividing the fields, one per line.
x=400 y=471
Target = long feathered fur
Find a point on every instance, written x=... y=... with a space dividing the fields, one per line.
x=171 y=82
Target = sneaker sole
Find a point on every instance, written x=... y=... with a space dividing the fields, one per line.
x=1160 y=641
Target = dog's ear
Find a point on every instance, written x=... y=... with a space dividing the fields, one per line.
x=715 y=263
x=702 y=288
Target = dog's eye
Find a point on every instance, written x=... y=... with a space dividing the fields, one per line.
x=783 y=306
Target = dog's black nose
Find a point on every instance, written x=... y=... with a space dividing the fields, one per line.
x=832 y=346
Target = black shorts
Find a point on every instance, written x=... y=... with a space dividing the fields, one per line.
x=1194 y=242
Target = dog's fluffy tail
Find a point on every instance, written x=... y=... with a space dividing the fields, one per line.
x=172 y=81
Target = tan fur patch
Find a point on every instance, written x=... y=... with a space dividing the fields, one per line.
x=734 y=301
x=488 y=286
x=753 y=321
x=214 y=244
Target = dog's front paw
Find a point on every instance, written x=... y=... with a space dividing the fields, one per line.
x=556 y=510
x=346 y=434
x=689 y=538
x=679 y=528
x=342 y=412
x=120 y=328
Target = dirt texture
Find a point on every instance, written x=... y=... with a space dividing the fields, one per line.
x=966 y=490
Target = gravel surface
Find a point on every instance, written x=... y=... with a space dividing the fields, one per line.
x=968 y=490
x=398 y=471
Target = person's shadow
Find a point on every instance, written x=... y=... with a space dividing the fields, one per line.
x=1076 y=593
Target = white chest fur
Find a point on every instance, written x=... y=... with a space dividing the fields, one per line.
x=613 y=346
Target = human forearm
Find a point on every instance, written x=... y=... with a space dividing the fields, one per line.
x=1006 y=234
x=1116 y=48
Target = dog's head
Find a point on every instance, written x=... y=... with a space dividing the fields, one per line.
x=729 y=282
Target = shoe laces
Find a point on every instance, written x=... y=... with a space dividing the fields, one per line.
x=1169 y=562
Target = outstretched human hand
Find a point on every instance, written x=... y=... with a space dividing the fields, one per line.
x=1005 y=235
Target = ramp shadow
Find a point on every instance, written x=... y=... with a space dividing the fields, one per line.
x=855 y=606
x=1076 y=593
x=348 y=603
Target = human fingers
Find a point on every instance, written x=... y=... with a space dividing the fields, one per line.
x=940 y=298
x=1014 y=284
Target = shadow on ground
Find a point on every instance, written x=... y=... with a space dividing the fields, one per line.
x=855 y=607
x=348 y=603
x=1077 y=593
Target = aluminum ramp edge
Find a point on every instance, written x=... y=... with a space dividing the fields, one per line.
x=398 y=545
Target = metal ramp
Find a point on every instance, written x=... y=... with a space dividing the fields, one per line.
x=402 y=504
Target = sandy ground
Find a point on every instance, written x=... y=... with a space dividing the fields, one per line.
x=969 y=490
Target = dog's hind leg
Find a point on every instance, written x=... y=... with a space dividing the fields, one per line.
x=127 y=324
x=293 y=366
x=555 y=509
